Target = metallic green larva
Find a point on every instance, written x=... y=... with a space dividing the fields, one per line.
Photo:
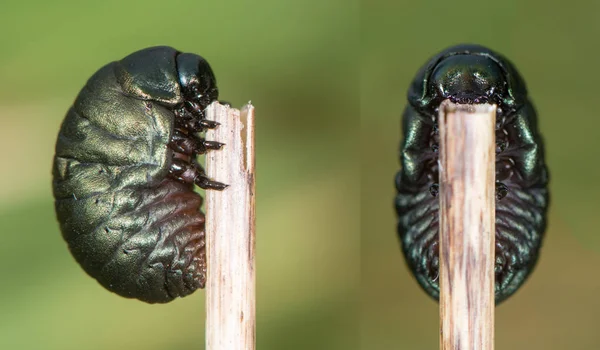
x=473 y=74
x=125 y=169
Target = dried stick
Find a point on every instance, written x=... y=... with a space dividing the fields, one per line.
x=467 y=174
x=230 y=231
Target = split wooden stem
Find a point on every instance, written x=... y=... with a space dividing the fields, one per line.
x=230 y=231
x=467 y=189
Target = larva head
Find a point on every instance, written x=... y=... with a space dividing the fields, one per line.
x=467 y=74
x=197 y=79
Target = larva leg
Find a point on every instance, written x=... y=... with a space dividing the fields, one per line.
x=192 y=144
x=193 y=173
x=204 y=124
x=190 y=116
x=205 y=183
x=189 y=119
x=197 y=122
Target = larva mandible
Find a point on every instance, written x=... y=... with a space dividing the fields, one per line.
x=125 y=169
x=473 y=74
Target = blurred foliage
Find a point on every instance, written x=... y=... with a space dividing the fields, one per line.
x=289 y=59
x=553 y=46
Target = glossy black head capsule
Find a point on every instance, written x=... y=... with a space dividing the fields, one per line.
x=197 y=78
x=467 y=74
x=472 y=74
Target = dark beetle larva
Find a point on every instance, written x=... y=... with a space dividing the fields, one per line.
x=125 y=169
x=473 y=74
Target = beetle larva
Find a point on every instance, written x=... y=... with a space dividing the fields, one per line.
x=473 y=74
x=125 y=169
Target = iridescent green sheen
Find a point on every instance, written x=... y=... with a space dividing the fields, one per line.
x=473 y=74
x=130 y=226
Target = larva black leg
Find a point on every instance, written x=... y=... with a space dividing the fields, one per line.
x=190 y=120
x=190 y=116
x=214 y=145
x=207 y=124
x=201 y=146
x=192 y=144
x=196 y=124
x=193 y=173
x=195 y=107
x=205 y=183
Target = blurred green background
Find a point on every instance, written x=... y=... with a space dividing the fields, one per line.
x=290 y=59
x=555 y=46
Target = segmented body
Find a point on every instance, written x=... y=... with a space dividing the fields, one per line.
x=124 y=174
x=521 y=174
